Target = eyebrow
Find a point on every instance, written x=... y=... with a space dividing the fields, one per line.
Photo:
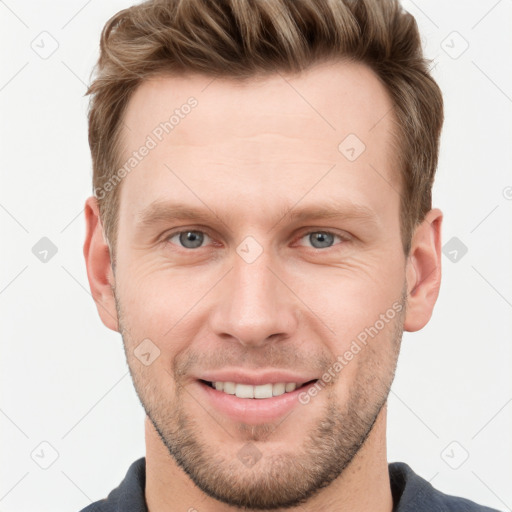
x=161 y=211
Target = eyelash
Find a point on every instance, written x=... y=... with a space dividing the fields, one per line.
x=168 y=237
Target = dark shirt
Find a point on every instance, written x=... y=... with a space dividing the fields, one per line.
x=411 y=493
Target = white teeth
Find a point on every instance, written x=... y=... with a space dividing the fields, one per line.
x=264 y=391
x=229 y=387
x=244 y=391
x=278 y=389
x=261 y=391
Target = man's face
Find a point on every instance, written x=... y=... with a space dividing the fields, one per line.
x=256 y=293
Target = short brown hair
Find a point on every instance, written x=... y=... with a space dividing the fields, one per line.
x=240 y=39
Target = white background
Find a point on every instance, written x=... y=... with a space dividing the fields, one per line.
x=63 y=375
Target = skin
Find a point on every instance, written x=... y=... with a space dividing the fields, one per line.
x=248 y=154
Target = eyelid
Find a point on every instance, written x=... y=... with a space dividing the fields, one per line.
x=168 y=235
x=345 y=237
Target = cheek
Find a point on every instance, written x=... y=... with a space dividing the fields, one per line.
x=148 y=287
x=365 y=360
x=366 y=316
x=349 y=299
x=162 y=305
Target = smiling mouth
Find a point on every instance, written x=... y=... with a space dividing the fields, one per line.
x=261 y=391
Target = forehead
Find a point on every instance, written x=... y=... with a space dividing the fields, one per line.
x=331 y=97
x=263 y=138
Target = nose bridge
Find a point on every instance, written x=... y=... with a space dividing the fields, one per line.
x=254 y=305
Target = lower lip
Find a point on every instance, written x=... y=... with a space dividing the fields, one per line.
x=253 y=410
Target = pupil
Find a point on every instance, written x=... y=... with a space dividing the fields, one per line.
x=191 y=239
x=321 y=240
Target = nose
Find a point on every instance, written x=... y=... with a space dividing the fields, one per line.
x=255 y=307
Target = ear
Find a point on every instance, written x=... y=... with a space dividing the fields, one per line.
x=423 y=271
x=99 y=267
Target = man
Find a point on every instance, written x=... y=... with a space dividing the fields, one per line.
x=261 y=234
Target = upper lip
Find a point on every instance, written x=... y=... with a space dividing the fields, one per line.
x=240 y=376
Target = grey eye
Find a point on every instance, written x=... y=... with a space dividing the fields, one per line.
x=321 y=239
x=190 y=239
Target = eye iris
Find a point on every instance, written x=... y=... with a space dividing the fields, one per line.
x=191 y=239
x=324 y=239
x=194 y=239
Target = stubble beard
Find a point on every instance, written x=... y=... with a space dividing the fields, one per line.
x=276 y=480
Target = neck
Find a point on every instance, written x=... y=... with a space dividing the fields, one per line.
x=362 y=487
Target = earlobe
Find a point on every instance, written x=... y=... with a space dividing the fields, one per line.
x=423 y=272
x=99 y=268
